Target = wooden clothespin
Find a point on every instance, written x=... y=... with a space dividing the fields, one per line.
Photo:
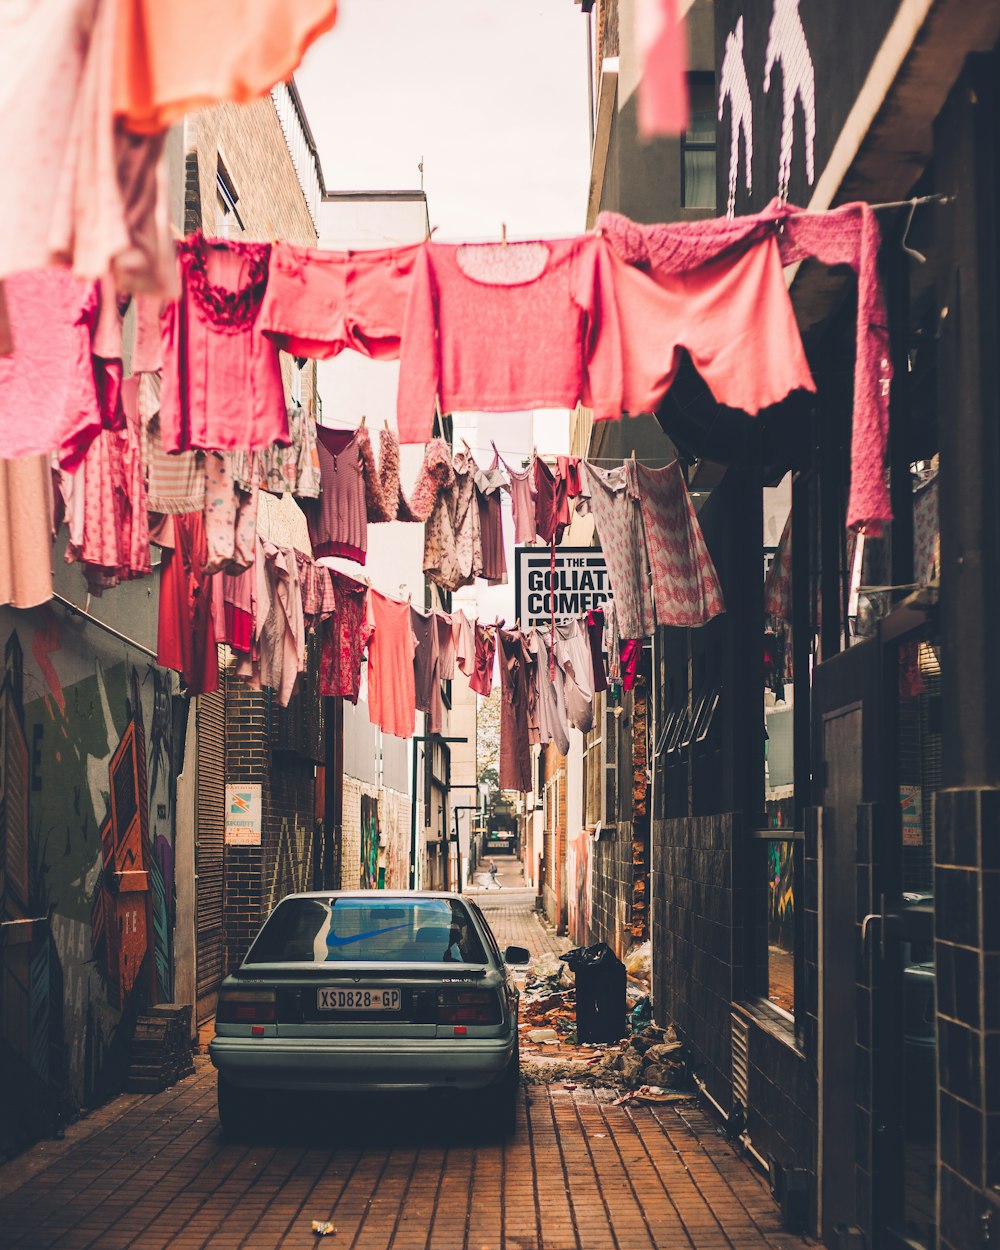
x=362 y=425
x=503 y=233
x=385 y=423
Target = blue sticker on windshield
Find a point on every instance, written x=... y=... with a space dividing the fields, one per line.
x=333 y=940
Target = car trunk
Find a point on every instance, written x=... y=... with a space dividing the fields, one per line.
x=318 y=1001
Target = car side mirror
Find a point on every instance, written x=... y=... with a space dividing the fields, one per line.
x=516 y=955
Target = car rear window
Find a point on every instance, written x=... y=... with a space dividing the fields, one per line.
x=351 y=930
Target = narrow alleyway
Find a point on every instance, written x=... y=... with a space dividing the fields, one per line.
x=580 y=1174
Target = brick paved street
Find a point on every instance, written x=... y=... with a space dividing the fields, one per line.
x=580 y=1174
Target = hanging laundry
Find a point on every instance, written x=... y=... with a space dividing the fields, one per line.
x=778 y=582
x=230 y=515
x=846 y=235
x=237 y=592
x=183 y=56
x=147 y=343
x=505 y=328
x=595 y=632
x=515 y=679
x=464 y=635
x=661 y=44
x=185 y=635
x=338 y=521
x=436 y=475
x=106 y=354
x=522 y=502
x=489 y=484
x=77 y=190
x=320 y=303
x=48 y=401
x=391 y=689
x=630 y=651
x=26 y=531
x=318 y=601
x=734 y=317
x=345 y=637
x=686 y=588
x=282 y=642
x=553 y=723
x=481 y=681
x=569 y=468
x=106 y=503
x=453 y=551
x=291 y=468
x=572 y=652
x=175 y=484
x=447 y=650
x=612 y=495
x=222 y=387
x=551 y=502
x=427 y=668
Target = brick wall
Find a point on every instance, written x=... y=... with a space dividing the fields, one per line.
x=610 y=914
x=257 y=877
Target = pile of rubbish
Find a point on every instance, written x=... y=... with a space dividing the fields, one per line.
x=649 y=1063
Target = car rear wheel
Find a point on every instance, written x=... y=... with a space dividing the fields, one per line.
x=235 y=1113
x=500 y=1111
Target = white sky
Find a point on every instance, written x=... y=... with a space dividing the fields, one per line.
x=493 y=96
x=491 y=93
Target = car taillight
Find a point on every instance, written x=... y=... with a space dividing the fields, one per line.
x=246 y=1007
x=468 y=1007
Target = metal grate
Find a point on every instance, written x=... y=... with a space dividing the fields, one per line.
x=741 y=1061
x=210 y=788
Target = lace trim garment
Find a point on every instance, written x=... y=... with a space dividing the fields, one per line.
x=848 y=235
x=222 y=387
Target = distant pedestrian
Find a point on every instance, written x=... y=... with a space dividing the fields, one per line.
x=493 y=872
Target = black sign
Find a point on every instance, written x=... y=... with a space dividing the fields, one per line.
x=578 y=583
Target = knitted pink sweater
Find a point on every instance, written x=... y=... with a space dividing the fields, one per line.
x=845 y=236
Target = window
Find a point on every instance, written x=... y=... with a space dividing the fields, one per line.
x=698 y=145
x=228 y=221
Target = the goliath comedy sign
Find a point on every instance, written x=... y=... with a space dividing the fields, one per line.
x=580 y=581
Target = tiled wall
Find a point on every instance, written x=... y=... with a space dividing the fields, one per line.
x=967 y=918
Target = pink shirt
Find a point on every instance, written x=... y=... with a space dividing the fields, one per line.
x=222 y=387
x=392 y=697
x=504 y=328
x=48 y=398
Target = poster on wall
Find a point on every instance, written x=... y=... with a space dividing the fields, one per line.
x=243 y=815
x=578 y=583
x=911 y=809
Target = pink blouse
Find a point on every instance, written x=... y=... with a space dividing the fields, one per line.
x=222 y=387
x=507 y=327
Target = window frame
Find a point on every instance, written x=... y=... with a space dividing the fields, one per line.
x=697 y=78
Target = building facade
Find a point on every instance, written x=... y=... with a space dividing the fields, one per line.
x=822 y=849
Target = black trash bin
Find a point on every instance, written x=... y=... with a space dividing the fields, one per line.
x=600 y=993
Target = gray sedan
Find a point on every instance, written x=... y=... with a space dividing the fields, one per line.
x=373 y=990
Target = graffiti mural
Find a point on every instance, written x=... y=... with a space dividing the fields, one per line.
x=86 y=866
x=370 y=844
x=780 y=895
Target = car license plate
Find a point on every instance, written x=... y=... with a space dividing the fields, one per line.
x=361 y=998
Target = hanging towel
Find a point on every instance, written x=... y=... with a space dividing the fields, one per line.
x=686 y=588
